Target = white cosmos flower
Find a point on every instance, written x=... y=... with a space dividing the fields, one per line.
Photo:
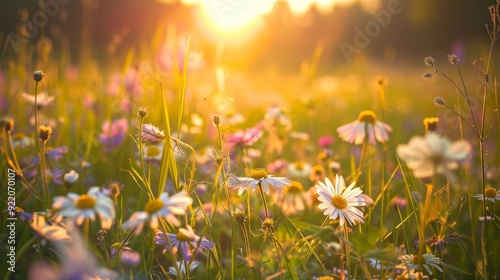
x=165 y=206
x=258 y=177
x=340 y=203
x=365 y=127
x=426 y=261
x=86 y=206
x=433 y=153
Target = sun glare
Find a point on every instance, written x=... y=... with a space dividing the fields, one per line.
x=232 y=21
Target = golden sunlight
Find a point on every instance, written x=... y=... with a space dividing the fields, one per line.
x=232 y=21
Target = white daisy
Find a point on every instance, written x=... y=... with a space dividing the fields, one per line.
x=366 y=126
x=489 y=194
x=339 y=203
x=258 y=177
x=417 y=262
x=165 y=206
x=86 y=206
x=184 y=239
x=433 y=153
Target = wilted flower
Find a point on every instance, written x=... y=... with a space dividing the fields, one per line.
x=152 y=134
x=165 y=206
x=433 y=154
x=490 y=194
x=258 y=177
x=418 y=263
x=86 y=206
x=340 y=203
x=365 y=127
x=184 y=239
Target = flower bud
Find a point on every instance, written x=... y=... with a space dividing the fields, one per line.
x=38 y=75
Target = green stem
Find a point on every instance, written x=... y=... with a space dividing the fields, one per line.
x=264 y=201
x=45 y=185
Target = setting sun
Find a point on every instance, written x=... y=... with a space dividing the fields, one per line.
x=232 y=22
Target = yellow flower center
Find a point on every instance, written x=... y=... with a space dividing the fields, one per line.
x=299 y=165
x=490 y=192
x=339 y=202
x=85 y=202
x=153 y=206
x=420 y=260
x=153 y=151
x=318 y=170
x=295 y=187
x=258 y=173
x=367 y=116
x=182 y=237
x=325 y=278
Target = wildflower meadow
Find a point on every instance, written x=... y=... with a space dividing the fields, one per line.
x=214 y=145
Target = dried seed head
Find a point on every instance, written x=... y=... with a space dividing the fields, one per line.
x=431 y=124
x=438 y=101
x=453 y=59
x=216 y=120
x=429 y=61
x=7 y=124
x=44 y=132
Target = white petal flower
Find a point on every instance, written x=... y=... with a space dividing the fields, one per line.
x=339 y=203
x=418 y=263
x=258 y=177
x=433 y=154
x=365 y=127
x=489 y=194
x=86 y=206
x=165 y=207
